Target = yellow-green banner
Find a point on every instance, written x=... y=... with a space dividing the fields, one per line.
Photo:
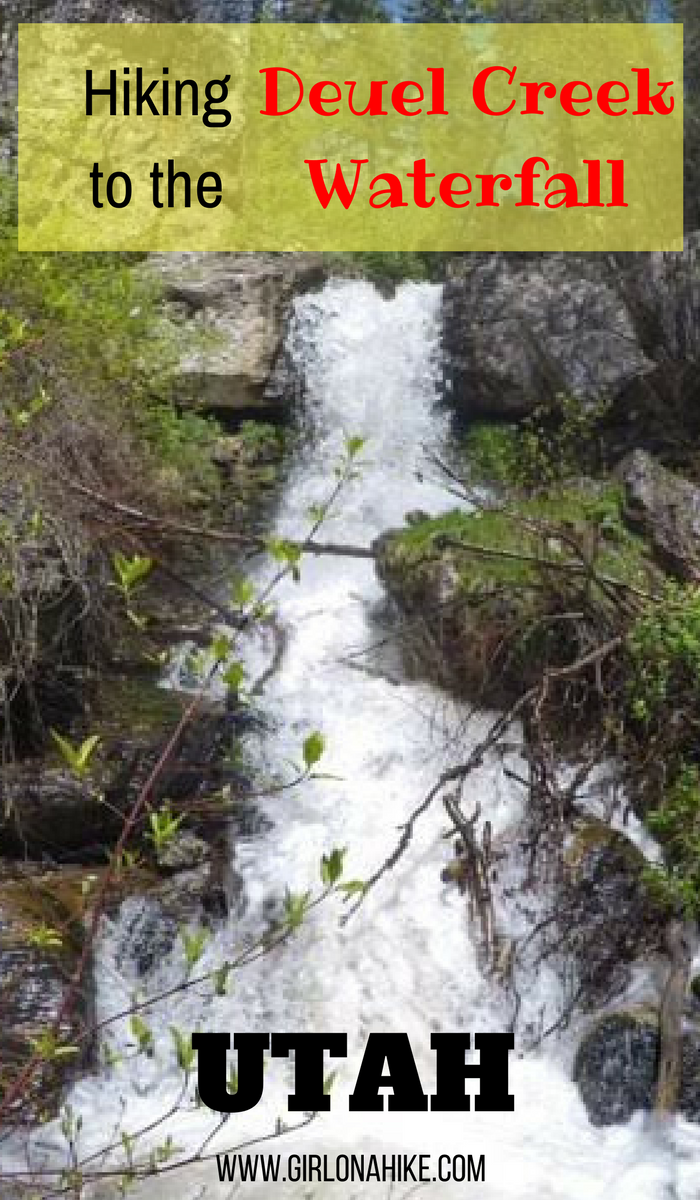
x=351 y=137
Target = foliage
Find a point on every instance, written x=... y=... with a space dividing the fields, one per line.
x=181 y=443
x=663 y=706
x=388 y=266
x=557 y=443
x=261 y=439
x=77 y=758
x=676 y=823
x=491 y=454
x=664 y=646
x=544 y=529
x=86 y=361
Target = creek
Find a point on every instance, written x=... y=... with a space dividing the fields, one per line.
x=406 y=960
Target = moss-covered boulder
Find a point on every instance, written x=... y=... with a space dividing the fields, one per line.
x=491 y=596
x=243 y=300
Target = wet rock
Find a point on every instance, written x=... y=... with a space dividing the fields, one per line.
x=41 y=938
x=606 y=912
x=150 y=922
x=616 y=1065
x=183 y=852
x=198 y=780
x=666 y=508
x=48 y=812
x=242 y=300
x=146 y=935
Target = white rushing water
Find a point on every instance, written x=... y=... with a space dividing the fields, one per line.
x=405 y=961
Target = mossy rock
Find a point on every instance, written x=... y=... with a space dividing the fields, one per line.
x=483 y=590
x=593 y=839
x=133 y=706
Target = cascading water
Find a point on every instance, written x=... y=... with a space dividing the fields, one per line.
x=405 y=961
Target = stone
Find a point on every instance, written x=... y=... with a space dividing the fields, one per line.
x=616 y=1063
x=35 y=978
x=610 y=917
x=520 y=328
x=242 y=300
x=666 y=509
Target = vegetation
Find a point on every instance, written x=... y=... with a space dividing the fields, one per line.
x=559 y=441
x=388 y=266
x=549 y=602
x=87 y=436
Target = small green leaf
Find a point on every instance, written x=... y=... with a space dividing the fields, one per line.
x=353 y=887
x=77 y=758
x=313 y=749
x=193 y=942
x=332 y=866
x=220 y=978
x=242 y=593
x=234 y=676
x=221 y=647
x=295 y=906
x=284 y=551
x=45 y=937
x=142 y=1033
x=131 y=571
x=353 y=445
x=184 y=1049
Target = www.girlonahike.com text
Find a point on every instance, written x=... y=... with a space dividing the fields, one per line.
x=351 y=1168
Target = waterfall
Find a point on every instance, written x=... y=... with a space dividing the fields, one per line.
x=406 y=960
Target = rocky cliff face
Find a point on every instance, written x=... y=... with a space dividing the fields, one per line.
x=521 y=328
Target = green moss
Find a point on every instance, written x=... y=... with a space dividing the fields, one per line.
x=388 y=266
x=580 y=512
x=491 y=454
x=135 y=708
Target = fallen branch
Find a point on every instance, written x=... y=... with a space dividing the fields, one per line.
x=668 y=1083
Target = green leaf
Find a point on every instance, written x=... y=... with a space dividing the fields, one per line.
x=86 y=751
x=45 y=937
x=242 y=593
x=284 y=551
x=184 y=1049
x=332 y=866
x=353 y=445
x=77 y=758
x=193 y=942
x=353 y=887
x=142 y=1033
x=233 y=676
x=48 y=1047
x=221 y=646
x=131 y=571
x=295 y=906
x=313 y=749
x=220 y=978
